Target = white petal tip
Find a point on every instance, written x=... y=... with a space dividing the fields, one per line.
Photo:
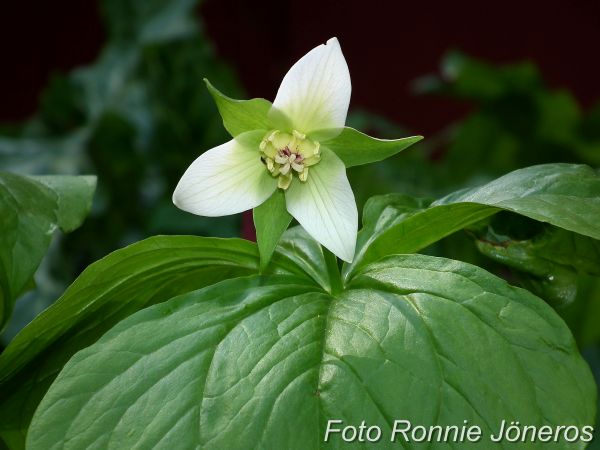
x=315 y=93
x=346 y=255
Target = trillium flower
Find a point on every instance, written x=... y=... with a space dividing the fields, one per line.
x=298 y=146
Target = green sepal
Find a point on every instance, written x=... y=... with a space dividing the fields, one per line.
x=271 y=219
x=355 y=148
x=240 y=116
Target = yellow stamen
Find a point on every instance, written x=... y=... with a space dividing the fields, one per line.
x=303 y=176
x=286 y=154
x=284 y=181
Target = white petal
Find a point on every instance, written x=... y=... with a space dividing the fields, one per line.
x=325 y=207
x=315 y=93
x=227 y=179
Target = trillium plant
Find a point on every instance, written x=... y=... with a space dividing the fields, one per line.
x=319 y=335
x=297 y=148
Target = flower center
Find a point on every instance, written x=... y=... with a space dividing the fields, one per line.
x=287 y=154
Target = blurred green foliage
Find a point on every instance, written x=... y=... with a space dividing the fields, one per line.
x=136 y=118
x=515 y=121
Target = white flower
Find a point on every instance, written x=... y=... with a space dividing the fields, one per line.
x=310 y=108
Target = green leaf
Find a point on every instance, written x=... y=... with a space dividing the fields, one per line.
x=109 y=290
x=74 y=198
x=31 y=209
x=564 y=195
x=240 y=116
x=355 y=148
x=264 y=362
x=583 y=315
x=306 y=253
x=271 y=219
x=547 y=263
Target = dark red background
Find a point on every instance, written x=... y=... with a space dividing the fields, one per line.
x=387 y=45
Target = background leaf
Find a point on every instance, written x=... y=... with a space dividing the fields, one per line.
x=74 y=198
x=547 y=263
x=583 y=314
x=564 y=195
x=31 y=209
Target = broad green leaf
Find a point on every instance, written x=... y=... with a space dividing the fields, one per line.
x=355 y=148
x=264 y=362
x=240 y=116
x=109 y=290
x=31 y=209
x=564 y=195
x=271 y=219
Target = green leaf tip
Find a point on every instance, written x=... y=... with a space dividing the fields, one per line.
x=240 y=116
x=355 y=148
